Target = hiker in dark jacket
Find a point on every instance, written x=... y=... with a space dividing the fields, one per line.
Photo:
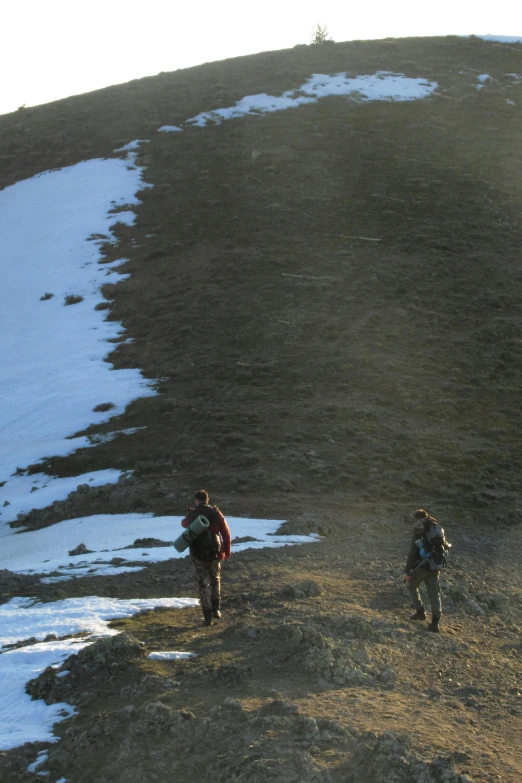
x=425 y=558
x=207 y=553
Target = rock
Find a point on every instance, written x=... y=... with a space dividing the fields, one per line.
x=389 y=675
x=42 y=687
x=125 y=713
x=159 y=712
x=23 y=643
x=278 y=707
x=472 y=607
x=306 y=589
x=470 y=690
x=457 y=592
x=81 y=549
x=232 y=704
x=98 y=658
x=494 y=601
x=306 y=635
x=355 y=627
x=116 y=649
x=231 y=673
x=307 y=727
x=140 y=543
x=362 y=656
x=243 y=539
x=387 y=758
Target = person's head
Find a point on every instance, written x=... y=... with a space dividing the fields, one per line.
x=420 y=515
x=201 y=496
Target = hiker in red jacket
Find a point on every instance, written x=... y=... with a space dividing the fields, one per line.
x=207 y=552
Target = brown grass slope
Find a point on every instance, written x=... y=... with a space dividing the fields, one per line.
x=308 y=374
x=293 y=356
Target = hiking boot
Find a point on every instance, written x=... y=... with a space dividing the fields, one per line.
x=207 y=617
x=215 y=609
x=420 y=614
x=434 y=625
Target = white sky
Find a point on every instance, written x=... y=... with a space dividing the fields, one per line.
x=49 y=50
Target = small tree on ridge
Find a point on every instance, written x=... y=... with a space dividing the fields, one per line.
x=320 y=35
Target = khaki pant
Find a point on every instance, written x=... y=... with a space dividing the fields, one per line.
x=208 y=578
x=431 y=578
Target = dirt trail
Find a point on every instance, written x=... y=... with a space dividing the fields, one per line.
x=317 y=640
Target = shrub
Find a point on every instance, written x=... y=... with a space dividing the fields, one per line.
x=320 y=35
x=46 y=296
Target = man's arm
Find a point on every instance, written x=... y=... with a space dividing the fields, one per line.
x=412 y=556
x=225 y=535
x=185 y=522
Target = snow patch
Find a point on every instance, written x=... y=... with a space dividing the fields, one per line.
x=20 y=619
x=170 y=656
x=21 y=718
x=40 y=759
x=499 y=38
x=23 y=493
x=46 y=551
x=381 y=86
x=52 y=354
x=132 y=146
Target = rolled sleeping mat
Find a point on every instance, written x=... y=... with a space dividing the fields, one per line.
x=189 y=535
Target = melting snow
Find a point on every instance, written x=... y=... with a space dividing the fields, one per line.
x=21 y=718
x=45 y=551
x=170 y=656
x=40 y=759
x=24 y=493
x=52 y=354
x=22 y=618
x=169 y=129
x=381 y=86
x=500 y=38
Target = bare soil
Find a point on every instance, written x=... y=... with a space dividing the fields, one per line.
x=310 y=374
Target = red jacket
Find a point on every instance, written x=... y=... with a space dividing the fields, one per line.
x=218 y=524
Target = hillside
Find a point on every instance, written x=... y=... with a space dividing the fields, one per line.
x=328 y=300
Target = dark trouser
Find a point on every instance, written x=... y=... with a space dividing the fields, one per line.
x=208 y=577
x=431 y=578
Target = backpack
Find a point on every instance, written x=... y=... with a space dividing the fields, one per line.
x=207 y=545
x=433 y=548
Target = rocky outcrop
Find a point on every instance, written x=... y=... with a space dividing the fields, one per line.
x=155 y=743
